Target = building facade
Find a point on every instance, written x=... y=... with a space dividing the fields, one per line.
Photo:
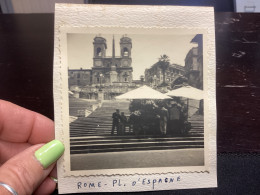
x=194 y=63
x=80 y=77
x=154 y=75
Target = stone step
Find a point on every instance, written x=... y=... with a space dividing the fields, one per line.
x=109 y=126
x=120 y=137
x=109 y=119
x=126 y=139
x=116 y=143
x=89 y=121
x=109 y=133
x=136 y=148
x=104 y=130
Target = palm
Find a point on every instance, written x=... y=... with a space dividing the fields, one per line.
x=164 y=62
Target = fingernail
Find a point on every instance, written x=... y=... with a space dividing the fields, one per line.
x=49 y=153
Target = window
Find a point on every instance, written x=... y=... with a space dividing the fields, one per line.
x=98 y=51
x=125 y=52
x=125 y=79
x=78 y=76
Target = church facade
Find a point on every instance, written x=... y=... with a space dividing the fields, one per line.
x=111 y=75
x=112 y=69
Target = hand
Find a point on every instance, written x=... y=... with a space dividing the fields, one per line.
x=26 y=166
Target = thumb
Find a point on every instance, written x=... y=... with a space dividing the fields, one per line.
x=27 y=170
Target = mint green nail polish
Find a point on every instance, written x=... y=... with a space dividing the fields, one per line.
x=49 y=153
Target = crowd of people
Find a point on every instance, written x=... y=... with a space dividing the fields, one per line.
x=119 y=122
x=168 y=119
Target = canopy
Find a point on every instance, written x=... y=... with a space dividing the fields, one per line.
x=187 y=92
x=143 y=92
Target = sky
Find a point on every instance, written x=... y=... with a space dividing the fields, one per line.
x=146 y=49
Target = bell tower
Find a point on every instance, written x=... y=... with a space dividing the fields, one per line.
x=100 y=47
x=126 y=48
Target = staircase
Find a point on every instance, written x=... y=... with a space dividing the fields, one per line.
x=98 y=122
x=98 y=144
x=197 y=125
x=92 y=134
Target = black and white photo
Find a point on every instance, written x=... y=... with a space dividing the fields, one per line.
x=120 y=113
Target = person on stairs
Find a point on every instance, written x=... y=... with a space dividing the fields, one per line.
x=115 y=124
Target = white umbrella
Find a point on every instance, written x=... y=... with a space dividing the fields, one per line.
x=187 y=92
x=143 y=92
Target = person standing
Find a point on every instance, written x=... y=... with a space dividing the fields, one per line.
x=115 y=124
x=123 y=121
x=163 y=120
x=174 y=119
x=134 y=121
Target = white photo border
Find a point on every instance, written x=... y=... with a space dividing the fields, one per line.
x=78 y=23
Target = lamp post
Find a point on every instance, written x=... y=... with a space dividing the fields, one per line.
x=100 y=81
x=100 y=92
x=100 y=77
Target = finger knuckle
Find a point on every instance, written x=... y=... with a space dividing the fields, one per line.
x=23 y=177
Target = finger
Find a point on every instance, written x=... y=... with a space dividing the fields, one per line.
x=27 y=170
x=50 y=183
x=8 y=150
x=18 y=124
x=47 y=187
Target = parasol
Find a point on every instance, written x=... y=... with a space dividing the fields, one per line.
x=187 y=92
x=143 y=92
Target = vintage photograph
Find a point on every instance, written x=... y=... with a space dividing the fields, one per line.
x=135 y=100
x=134 y=97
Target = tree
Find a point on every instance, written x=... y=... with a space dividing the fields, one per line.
x=164 y=62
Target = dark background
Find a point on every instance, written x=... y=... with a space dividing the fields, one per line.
x=219 y=5
x=26 y=65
